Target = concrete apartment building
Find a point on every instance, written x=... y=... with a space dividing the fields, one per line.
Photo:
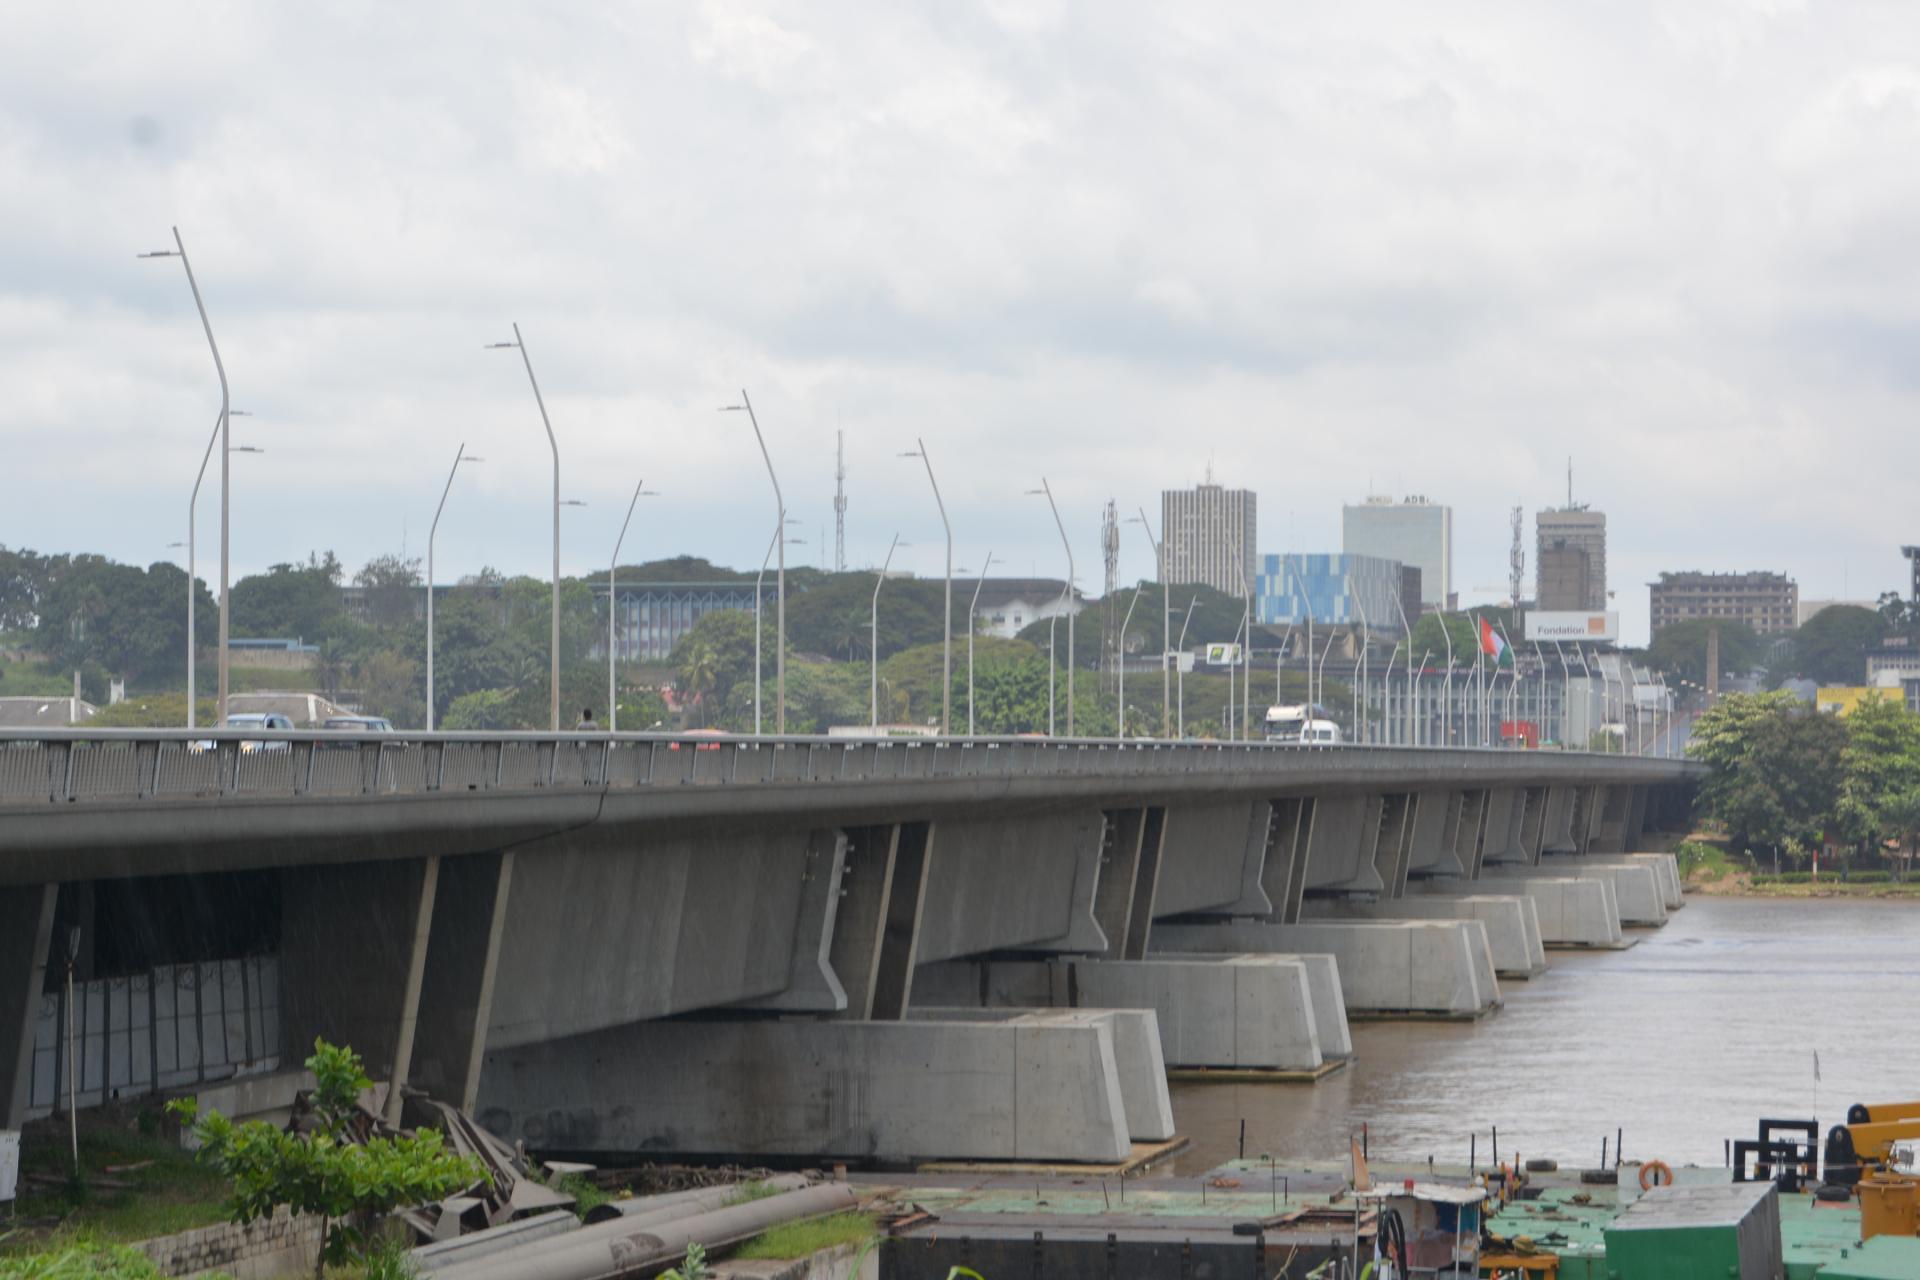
x=1210 y=536
x=1414 y=531
x=1767 y=602
x=1570 y=560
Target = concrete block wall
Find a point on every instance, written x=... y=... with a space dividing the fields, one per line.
x=278 y=1245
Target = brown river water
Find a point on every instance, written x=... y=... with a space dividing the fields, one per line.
x=1683 y=1041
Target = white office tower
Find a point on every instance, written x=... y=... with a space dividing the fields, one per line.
x=1415 y=532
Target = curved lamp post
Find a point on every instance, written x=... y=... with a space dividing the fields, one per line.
x=1047 y=490
x=179 y=251
x=553 y=640
x=873 y=642
x=460 y=455
x=946 y=632
x=973 y=625
x=613 y=600
x=780 y=581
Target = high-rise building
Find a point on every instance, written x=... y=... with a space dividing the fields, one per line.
x=1415 y=532
x=1209 y=532
x=1570 y=565
x=1334 y=590
x=1769 y=603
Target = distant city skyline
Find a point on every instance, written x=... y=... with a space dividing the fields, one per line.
x=1107 y=247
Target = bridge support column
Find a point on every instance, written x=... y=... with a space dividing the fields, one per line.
x=353 y=954
x=1022 y=1087
x=1500 y=841
x=1556 y=821
x=456 y=993
x=1574 y=910
x=26 y=936
x=1129 y=879
x=1423 y=968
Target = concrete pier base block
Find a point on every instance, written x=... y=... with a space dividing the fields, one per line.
x=1329 y=1005
x=1433 y=968
x=1017 y=1089
x=1136 y=1049
x=1251 y=1011
x=1574 y=911
x=1512 y=923
x=1664 y=866
x=1641 y=897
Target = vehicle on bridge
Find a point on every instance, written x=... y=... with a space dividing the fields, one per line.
x=252 y=720
x=1298 y=722
x=358 y=724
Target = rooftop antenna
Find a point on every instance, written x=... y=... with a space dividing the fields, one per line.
x=1517 y=557
x=840 y=503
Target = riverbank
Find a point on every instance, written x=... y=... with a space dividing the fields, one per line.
x=1707 y=869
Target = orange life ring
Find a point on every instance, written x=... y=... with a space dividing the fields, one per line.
x=1655 y=1173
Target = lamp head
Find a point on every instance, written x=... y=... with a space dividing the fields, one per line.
x=572 y=502
x=159 y=253
x=501 y=346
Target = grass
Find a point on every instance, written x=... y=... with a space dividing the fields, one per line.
x=1700 y=860
x=586 y=1195
x=87 y=1259
x=801 y=1239
x=748 y=1192
x=170 y=1194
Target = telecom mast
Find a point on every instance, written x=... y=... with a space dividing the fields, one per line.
x=1517 y=558
x=840 y=503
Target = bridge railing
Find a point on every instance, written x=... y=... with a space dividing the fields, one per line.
x=94 y=766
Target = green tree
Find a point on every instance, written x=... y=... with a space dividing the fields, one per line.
x=1774 y=769
x=350 y=1185
x=833 y=617
x=392 y=585
x=291 y=600
x=1681 y=648
x=130 y=621
x=1880 y=765
x=1832 y=647
x=697 y=670
x=481 y=710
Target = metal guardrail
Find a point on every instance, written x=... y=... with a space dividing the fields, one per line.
x=56 y=767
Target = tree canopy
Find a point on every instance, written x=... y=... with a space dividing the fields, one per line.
x=1831 y=648
x=1680 y=648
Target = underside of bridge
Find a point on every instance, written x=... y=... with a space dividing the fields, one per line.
x=986 y=979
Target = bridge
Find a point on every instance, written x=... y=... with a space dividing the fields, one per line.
x=870 y=948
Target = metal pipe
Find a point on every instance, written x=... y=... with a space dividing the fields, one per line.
x=1120 y=719
x=430 y=1259
x=1166 y=623
x=1182 y=731
x=459 y=456
x=613 y=597
x=618 y=1247
x=193 y=687
x=1047 y=489
x=678 y=1204
x=946 y=634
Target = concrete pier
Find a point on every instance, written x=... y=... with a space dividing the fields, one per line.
x=1136 y=1049
x=1255 y=1012
x=1574 y=911
x=1032 y=1086
x=1434 y=968
x=1664 y=866
x=1640 y=897
x=1511 y=920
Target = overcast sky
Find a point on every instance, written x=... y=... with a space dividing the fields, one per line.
x=1333 y=249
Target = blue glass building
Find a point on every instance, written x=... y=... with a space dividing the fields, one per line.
x=1337 y=589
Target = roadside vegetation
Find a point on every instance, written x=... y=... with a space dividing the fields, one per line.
x=801 y=1239
x=1787 y=785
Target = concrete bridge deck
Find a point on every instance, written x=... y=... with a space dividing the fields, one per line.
x=539 y=924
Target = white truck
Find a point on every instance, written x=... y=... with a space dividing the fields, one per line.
x=1297 y=722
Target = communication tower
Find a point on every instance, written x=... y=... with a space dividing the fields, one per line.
x=1517 y=557
x=840 y=503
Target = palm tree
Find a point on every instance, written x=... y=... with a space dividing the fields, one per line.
x=699 y=672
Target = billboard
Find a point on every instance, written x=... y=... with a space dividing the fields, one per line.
x=1220 y=655
x=1590 y=627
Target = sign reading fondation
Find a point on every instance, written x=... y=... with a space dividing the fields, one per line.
x=1591 y=627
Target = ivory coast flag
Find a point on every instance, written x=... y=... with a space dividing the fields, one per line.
x=1491 y=643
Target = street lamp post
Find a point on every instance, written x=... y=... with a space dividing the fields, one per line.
x=873 y=634
x=553 y=640
x=758 y=579
x=1047 y=490
x=193 y=524
x=1446 y=696
x=613 y=600
x=973 y=625
x=1182 y=648
x=1416 y=723
x=780 y=580
x=1121 y=718
x=946 y=633
x=460 y=455
x=1166 y=620
x=180 y=251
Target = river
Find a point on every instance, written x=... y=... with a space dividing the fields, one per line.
x=1682 y=1041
